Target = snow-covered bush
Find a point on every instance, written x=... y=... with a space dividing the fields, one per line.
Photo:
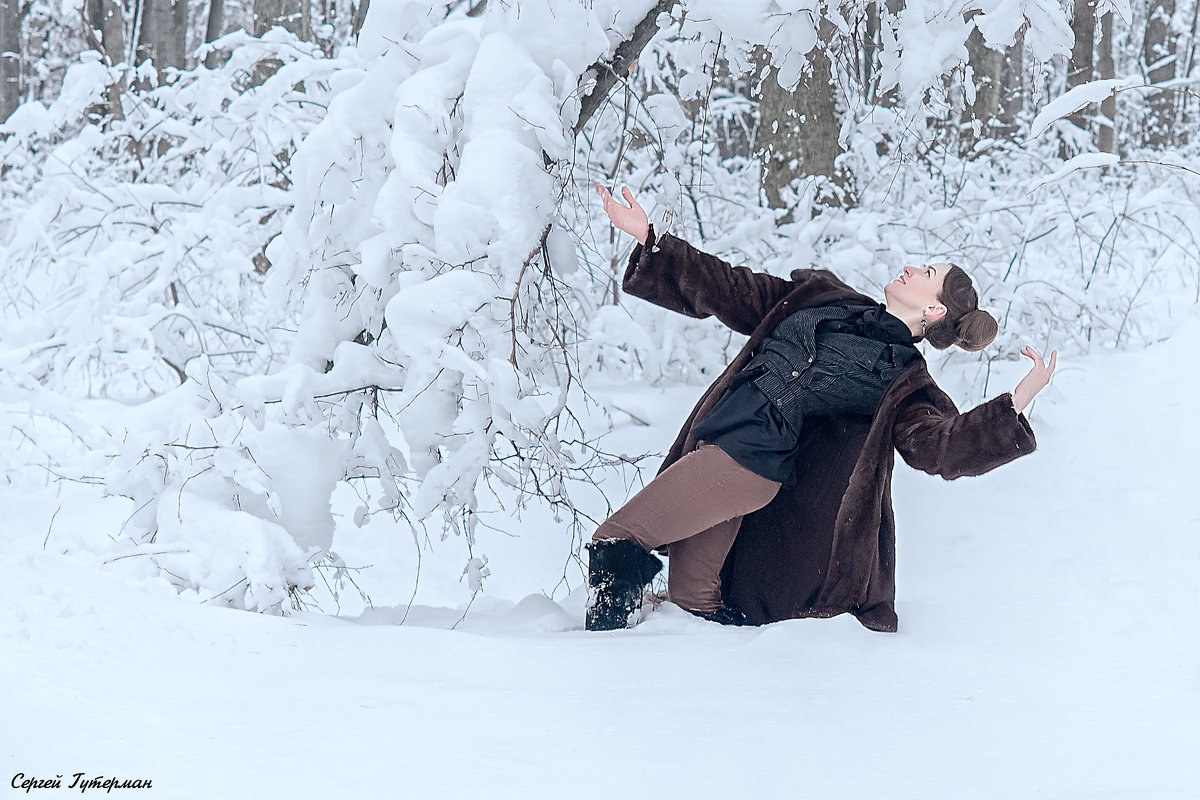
x=135 y=247
x=139 y=240
x=231 y=512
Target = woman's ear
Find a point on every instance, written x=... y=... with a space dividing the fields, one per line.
x=935 y=312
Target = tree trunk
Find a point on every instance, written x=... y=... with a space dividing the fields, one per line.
x=106 y=19
x=1082 y=65
x=162 y=37
x=112 y=28
x=148 y=32
x=1158 y=44
x=179 y=30
x=1012 y=79
x=868 y=51
x=890 y=98
x=1106 y=139
x=213 y=29
x=360 y=15
x=106 y=33
x=1183 y=110
x=10 y=57
x=798 y=132
x=987 y=68
x=292 y=15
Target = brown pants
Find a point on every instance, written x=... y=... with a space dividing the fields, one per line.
x=696 y=506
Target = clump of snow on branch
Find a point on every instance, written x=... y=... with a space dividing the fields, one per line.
x=1075 y=99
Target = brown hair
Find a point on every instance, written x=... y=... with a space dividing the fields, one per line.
x=964 y=323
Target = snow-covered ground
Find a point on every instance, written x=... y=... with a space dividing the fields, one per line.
x=1049 y=647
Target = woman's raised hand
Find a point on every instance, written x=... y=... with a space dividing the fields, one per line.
x=631 y=219
x=1036 y=380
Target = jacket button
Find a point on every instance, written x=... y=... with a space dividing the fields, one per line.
x=779 y=403
x=810 y=359
x=795 y=374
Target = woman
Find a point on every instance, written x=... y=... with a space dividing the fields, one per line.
x=775 y=500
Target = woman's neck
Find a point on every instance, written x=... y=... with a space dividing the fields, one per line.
x=910 y=317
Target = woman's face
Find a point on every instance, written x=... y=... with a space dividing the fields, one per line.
x=917 y=290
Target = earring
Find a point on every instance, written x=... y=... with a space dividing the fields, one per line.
x=924 y=323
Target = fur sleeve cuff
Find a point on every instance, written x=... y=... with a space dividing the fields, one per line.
x=989 y=436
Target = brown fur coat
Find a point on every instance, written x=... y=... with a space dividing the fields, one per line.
x=826 y=545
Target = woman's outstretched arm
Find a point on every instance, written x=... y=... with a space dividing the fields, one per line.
x=933 y=436
x=671 y=273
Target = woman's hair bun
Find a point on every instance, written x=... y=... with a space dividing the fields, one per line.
x=976 y=330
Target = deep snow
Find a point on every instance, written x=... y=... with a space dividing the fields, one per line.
x=1049 y=644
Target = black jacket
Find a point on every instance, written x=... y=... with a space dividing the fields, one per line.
x=819 y=361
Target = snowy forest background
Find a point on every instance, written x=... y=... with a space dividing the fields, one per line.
x=277 y=269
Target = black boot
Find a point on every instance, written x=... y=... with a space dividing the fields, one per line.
x=618 y=572
x=722 y=616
